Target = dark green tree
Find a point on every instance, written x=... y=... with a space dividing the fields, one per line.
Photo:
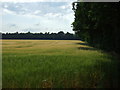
x=98 y=24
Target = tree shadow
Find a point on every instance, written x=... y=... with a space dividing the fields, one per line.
x=87 y=48
x=82 y=43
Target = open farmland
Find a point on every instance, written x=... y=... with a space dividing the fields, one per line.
x=56 y=64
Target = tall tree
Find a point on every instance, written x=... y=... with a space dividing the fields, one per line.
x=98 y=24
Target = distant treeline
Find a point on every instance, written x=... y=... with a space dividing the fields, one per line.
x=49 y=36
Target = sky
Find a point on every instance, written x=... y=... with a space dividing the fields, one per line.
x=36 y=16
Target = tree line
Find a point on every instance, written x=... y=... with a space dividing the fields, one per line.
x=48 y=36
x=98 y=23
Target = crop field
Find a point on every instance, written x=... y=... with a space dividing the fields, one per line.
x=56 y=64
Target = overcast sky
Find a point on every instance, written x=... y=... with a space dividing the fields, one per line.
x=34 y=16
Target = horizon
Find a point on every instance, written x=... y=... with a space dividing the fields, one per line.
x=37 y=32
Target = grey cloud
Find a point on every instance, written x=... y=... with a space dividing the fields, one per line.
x=37 y=24
x=12 y=25
x=36 y=8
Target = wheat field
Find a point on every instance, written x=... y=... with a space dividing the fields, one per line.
x=56 y=64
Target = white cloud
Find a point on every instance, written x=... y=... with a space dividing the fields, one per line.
x=36 y=0
x=24 y=9
x=6 y=6
x=8 y=11
x=17 y=6
x=28 y=15
x=37 y=12
x=65 y=6
x=69 y=17
x=53 y=15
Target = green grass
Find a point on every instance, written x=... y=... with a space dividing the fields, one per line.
x=56 y=64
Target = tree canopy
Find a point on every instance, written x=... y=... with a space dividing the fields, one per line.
x=98 y=24
x=49 y=36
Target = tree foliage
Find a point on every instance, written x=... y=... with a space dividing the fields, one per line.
x=98 y=24
x=49 y=36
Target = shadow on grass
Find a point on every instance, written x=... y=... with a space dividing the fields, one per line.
x=87 y=48
x=82 y=43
